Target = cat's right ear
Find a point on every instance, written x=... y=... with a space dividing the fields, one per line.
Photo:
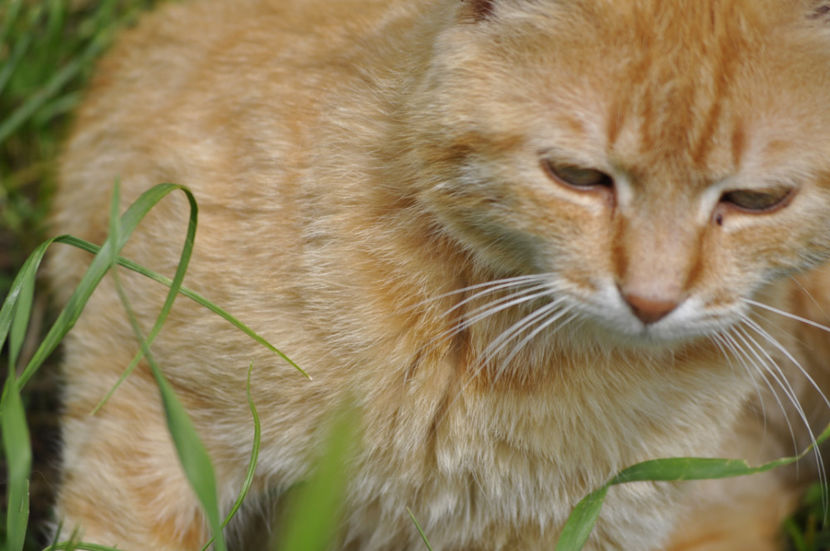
x=476 y=10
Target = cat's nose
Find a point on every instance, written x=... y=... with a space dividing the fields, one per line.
x=649 y=310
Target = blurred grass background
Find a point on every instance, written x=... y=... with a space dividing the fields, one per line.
x=48 y=50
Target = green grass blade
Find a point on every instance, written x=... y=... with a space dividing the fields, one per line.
x=175 y=284
x=685 y=468
x=191 y=451
x=55 y=537
x=418 y=527
x=26 y=274
x=11 y=63
x=8 y=16
x=192 y=295
x=581 y=522
x=249 y=476
x=18 y=452
x=20 y=321
x=193 y=456
x=69 y=71
x=189 y=447
x=314 y=511
x=55 y=24
x=797 y=540
x=114 y=220
x=96 y=271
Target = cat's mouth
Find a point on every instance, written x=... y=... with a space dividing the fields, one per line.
x=637 y=321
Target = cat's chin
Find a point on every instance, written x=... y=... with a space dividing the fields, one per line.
x=652 y=339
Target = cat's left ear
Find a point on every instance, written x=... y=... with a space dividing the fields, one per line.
x=476 y=10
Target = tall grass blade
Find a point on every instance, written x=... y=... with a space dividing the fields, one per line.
x=17 y=308
x=69 y=71
x=249 y=476
x=192 y=295
x=24 y=275
x=418 y=527
x=582 y=520
x=18 y=451
x=192 y=454
x=252 y=463
x=579 y=525
x=314 y=511
x=8 y=17
x=96 y=271
x=11 y=63
x=189 y=447
x=20 y=321
x=14 y=316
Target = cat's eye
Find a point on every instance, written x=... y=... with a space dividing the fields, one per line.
x=576 y=176
x=758 y=201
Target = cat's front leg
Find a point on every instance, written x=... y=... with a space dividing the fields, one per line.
x=123 y=485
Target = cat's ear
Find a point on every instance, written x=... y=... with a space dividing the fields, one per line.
x=476 y=10
x=820 y=11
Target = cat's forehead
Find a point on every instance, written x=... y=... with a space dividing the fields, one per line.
x=710 y=85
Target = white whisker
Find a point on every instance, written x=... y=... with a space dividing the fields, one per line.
x=487 y=310
x=727 y=347
x=508 y=334
x=487 y=286
x=746 y=360
x=544 y=325
x=788 y=315
x=509 y=300
x=774 y=342
x=767 y=365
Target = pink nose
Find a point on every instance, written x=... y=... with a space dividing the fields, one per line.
x=649 y=310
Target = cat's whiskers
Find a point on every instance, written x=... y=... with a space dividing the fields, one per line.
x=779 y=376
x=486 y=287
x=751 y=367
x=555 y=313
x=746 y=360
x=556 y=316
x=780 y=312
x=768 y=337
x=817 y=452
x=767 y=367
x=488 y=309
x=731 y=352
x=521 y=290
x=772 y=340
x=504 y=338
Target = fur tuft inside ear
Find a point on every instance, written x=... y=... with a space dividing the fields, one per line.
x=477 y=10
x=821 y=12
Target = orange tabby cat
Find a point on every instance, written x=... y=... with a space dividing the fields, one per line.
x=537 y=239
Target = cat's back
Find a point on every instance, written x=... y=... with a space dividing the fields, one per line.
x=235 y=100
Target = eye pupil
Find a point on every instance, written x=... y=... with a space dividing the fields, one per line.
x=757 y=201
x=577 y=177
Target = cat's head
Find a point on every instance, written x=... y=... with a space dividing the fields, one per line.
x=659 y=161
